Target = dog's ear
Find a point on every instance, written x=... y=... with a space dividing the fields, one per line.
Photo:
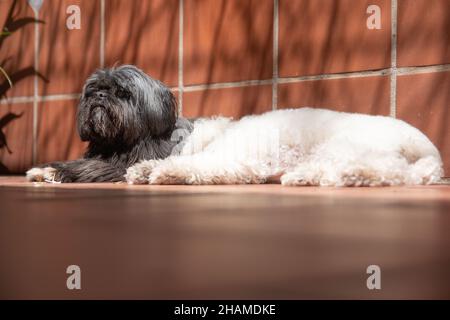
x=83 y=130
x=161 y=110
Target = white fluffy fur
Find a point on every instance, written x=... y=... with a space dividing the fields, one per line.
x=46 y=174
x=303 y=146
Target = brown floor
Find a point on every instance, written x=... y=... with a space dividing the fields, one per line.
x=208 y=242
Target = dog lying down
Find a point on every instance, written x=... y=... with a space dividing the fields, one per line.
x=130 y=121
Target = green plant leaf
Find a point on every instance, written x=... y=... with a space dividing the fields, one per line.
x=6 y=76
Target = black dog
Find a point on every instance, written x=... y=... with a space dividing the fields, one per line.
x=127 y=117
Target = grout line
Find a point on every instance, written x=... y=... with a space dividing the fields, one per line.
x=275 y=55
x=403 y=71
x=55 y=97
x=393 y=73
x=180 y=57
x=425 y=69
x=331 y=76
x=35 y=87
x=102 y=33
x=393 y=95
x=15 y=100
x=224 y=85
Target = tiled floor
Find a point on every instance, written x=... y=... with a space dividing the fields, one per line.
x=263 y=241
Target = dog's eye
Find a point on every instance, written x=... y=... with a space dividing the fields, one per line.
x=88 y=92
x=122 y=94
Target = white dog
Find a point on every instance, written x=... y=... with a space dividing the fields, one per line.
x=303 y=146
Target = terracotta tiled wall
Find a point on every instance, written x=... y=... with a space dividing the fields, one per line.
x=230 y=57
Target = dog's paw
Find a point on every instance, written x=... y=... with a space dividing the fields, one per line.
x=140 y=172
x=298 y=179
x=165 y=175
x=46 y=174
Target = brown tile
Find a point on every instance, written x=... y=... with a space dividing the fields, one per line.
x=423 y=32
x=17 y=49
x=331 y=36
x=423 y=100
x=227 y=40
x=68 y=57
x=157 y=242
x=365 y=95
x=231 y=102
x=144 y=33
x=16 y=129
x=57 y=133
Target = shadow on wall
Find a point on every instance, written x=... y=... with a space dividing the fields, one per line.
x=4 y=121
x=236 y=45
x=329 y=39
x=11 y=25
x=429 y=105
x=144 y=33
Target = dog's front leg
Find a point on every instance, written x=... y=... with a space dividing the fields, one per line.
x=201 y=168
x=82 y=170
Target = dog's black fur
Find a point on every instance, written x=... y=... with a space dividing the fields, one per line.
x=126 y=116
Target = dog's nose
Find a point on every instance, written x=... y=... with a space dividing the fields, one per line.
x=101 y=94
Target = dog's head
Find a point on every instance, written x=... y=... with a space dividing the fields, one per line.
x=122 y=105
